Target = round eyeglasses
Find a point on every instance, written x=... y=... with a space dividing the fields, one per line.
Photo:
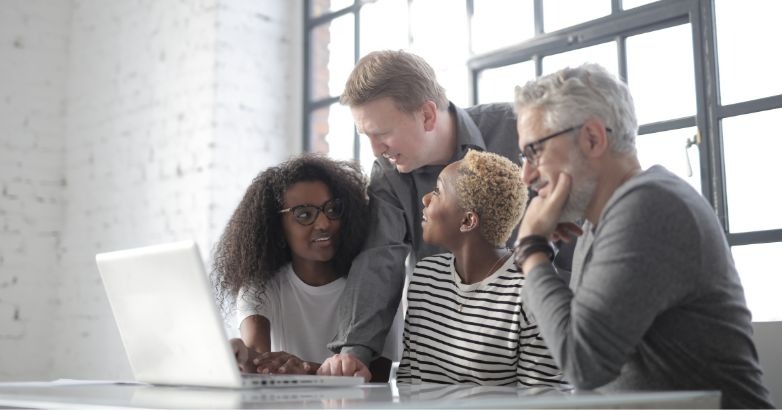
x=307 y=214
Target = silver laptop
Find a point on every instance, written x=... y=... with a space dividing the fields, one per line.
x=164 y=307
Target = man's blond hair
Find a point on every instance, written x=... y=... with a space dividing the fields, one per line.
x=404 y=77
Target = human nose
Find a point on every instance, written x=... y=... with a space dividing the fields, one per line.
x=426 y=199
x=378 y=146
x=529 y=173
x=321 y=220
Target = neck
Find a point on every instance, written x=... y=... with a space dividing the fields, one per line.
x=616 y=170
x=475 y=262
x=314 y=273
x=444 y=138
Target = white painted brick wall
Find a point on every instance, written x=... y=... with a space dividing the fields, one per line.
x=250 y=98
x=170 y=108
x=33 y=51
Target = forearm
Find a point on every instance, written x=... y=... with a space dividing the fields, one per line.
x=376 y=279
x=255 y=332
x=573 y=342
x=370 y=301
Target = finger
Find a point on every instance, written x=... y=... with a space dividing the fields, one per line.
x=364 y=372
x=289 y=366
x=328 y=367
x=567 y=232
x=270 y=360
x=335 y=367
x=575 y=230
x=349 y=366
x=561 y=191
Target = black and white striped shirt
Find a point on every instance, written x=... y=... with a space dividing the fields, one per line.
x=478 y=333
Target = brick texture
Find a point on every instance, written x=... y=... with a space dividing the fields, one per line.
x=131 y=123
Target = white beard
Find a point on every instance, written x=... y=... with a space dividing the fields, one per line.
x=582 y=190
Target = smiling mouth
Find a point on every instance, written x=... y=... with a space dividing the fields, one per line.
x=322 y=239
x=538 y=185
x=388 y=156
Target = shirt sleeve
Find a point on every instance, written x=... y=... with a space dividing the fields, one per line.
x=640 y=265
x=247 y=304
x=377 y=275
x=536 y=366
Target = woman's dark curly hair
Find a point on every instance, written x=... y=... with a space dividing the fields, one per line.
x=252 y=249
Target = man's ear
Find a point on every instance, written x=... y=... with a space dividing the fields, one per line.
x=594 y=141
x=469 y=221
x=429 y=114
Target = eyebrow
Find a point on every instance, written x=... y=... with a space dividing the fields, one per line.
x=310 y=203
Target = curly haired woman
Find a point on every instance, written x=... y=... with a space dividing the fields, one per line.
x=284 y=256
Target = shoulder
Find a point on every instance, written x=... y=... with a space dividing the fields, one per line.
x=497 y=125
x=431 y=271
x=656 y=195
x=438 y=265
x=279 y=279
x=493 y=110
x=656 y=213
x=440 y=259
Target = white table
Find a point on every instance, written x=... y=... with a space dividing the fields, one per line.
x=94 y=396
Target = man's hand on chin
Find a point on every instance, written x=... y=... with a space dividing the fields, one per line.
x=542 y=214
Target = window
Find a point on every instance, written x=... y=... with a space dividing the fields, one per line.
x=707 y=100
x=340 y=32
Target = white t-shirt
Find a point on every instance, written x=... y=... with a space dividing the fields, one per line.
x=303 y=318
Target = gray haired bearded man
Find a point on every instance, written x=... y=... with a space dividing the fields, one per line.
x=655 y=302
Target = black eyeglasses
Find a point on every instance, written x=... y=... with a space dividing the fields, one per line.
x=531 y=152
x=307 y=214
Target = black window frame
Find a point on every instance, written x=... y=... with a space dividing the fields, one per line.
x=616 y=26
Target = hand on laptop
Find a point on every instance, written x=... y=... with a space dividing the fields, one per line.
x=250 y=361
x=343 y=364
x=244 y=356
x=284 y=363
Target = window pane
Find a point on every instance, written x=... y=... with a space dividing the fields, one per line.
x=761 y=280
x=332 y=56
x=498 y=84
x=320 y=7
x=559 y=14
x=631 y=4
x=668 y=149
x=603 y=54
x=747 y=35
x=384 y=26
x=444 y=45
x=752 y=144
x=332 y=131
x=660 y=74
x=500 y=23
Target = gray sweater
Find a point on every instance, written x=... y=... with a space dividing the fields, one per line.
x=655 y=302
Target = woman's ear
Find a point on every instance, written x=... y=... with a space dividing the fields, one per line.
x=469 y=221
